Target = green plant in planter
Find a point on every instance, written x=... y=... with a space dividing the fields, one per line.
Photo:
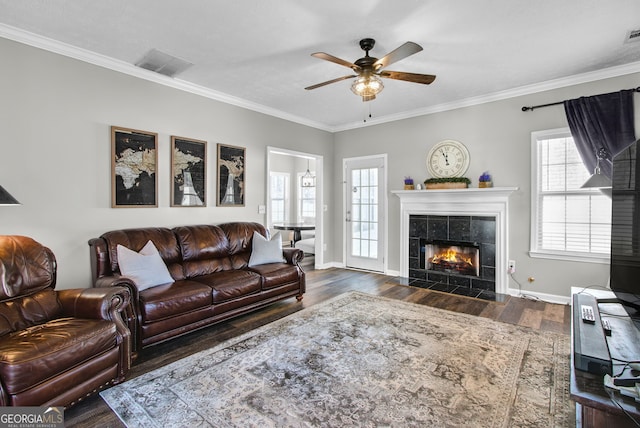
x=447 y=180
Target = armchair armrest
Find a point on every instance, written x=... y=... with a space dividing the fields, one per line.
x=131 y=314
x=107 y=303
x=293 y=256
x=99 y=303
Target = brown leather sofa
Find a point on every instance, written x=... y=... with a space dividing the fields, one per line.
x=213 y=281
x=56 y=347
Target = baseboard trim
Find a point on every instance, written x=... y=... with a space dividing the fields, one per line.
x=330 y=265
x=550 y=298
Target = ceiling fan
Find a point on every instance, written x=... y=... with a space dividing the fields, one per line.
x=369 y=69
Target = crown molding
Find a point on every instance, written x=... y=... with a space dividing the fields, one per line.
x=50 y=45
x=45 y=43
x=577 y=79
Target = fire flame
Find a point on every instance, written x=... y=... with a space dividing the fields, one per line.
x=451 y=256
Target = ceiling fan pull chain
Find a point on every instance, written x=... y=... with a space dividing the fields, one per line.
x=368 y=106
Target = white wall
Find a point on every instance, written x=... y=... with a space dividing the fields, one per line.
x=498 y=136
x=55 y=151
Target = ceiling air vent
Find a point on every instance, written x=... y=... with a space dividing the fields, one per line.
x=163 y=63
x=633 y=36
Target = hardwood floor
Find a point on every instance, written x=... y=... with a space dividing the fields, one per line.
x=323 y=285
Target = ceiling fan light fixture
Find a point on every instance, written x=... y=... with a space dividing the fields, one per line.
x=367 y=87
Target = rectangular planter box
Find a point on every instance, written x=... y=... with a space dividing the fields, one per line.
x=446 y=185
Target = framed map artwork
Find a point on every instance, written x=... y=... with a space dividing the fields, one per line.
x=231 y=164
x=188 y=172
x=134 y=162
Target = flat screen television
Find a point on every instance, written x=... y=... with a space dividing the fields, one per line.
x=625 y=230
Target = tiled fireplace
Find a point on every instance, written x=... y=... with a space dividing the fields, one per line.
x=464 y=230
x=456 y=250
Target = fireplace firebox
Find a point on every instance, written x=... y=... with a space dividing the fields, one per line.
x=454 y=257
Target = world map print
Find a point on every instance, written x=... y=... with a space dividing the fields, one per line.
x=134 y=168
x=188 y=170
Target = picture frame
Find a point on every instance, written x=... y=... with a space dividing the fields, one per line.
x=188 y=172
x=134 y=167
x=231 y=167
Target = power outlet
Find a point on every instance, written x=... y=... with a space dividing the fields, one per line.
x=512 y=266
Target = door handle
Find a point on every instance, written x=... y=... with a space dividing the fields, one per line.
x=348 y=218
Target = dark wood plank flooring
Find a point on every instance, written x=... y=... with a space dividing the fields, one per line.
x=323 y=285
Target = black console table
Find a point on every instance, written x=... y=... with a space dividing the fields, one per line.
x=594 y=406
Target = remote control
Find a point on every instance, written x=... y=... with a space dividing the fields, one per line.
x=587 y=314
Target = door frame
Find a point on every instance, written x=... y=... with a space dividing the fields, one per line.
x=384 y=225
x=319 y=231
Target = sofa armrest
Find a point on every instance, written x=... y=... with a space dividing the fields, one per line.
x=293 y=256
x=119 y=281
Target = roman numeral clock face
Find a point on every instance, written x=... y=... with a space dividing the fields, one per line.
x=448 y=158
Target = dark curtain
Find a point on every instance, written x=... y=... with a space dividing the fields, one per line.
x=601 y=121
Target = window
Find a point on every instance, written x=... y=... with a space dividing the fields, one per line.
x=279 y=192
x=306 y=202
x=568 y=222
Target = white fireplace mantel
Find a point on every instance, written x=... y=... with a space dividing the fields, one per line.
x=487 y=202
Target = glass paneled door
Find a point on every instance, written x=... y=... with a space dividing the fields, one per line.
x=364 y=217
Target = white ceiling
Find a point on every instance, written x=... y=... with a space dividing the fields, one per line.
x=256 y=53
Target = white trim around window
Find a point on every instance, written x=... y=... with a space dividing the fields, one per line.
x=580 y=218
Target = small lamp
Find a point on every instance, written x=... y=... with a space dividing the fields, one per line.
x=6 y=198
x=308 y=180
x=598 y=179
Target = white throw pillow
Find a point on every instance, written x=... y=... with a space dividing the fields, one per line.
x=146 y=268
x=266 y=251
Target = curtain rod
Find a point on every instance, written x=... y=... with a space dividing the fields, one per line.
x=525 y=108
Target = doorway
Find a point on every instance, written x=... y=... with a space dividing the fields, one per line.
x=294 y=198
x=365 y=204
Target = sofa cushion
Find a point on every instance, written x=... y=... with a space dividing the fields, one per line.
x=205 y=249
x=240 y=235
x=169 y=300
x=146 y=268
x=202 y=242
x=266 y=250
x=134 y=239
x=231 y=284
x=277 y=274
x=35 y=354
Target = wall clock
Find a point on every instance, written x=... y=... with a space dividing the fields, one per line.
x=448 y=158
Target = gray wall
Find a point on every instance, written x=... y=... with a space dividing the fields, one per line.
x=55 y=151
x=498 y=136
x=56 y=114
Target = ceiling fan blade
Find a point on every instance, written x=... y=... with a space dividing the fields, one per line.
x=336 y=60
x=308 y=88
x=409 y=77
x=405 y=50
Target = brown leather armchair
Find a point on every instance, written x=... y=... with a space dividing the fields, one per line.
x=56 y=347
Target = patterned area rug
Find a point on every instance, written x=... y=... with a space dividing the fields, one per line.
x=362 y=360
